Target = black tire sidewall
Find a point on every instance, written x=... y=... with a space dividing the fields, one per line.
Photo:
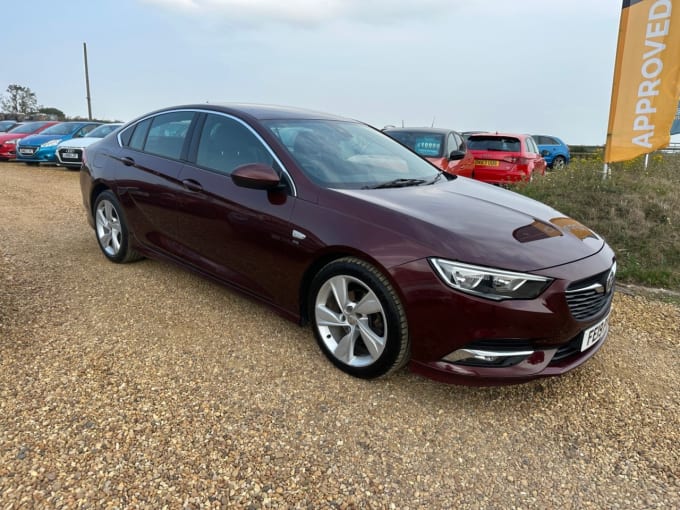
x=393 y=315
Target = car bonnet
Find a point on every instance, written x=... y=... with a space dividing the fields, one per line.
x=40 y=139
x=478 y=223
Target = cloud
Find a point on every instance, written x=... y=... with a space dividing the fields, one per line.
x=310 y=12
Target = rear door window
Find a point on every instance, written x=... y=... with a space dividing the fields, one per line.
x=168 y=133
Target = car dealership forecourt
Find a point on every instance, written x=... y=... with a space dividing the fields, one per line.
x=145 y=385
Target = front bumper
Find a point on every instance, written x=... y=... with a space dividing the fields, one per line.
x=540 y=337
x=71 y=157
x=41 y=155
x=7 y=151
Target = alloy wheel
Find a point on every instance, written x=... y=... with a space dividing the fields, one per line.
x=351 y=321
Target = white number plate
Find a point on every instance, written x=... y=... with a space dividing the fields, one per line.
x=69 y=155
x=595 y=333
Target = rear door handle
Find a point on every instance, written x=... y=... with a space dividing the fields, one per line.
x=192 y=185
x=128 y=161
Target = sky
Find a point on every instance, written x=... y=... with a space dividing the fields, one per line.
x=529 y=66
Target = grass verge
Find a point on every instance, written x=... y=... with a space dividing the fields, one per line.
x=636 y=210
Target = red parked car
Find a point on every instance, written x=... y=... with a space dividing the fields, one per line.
x=502 y=158
x=8 y=141
x=333 y=223
x=443 y=148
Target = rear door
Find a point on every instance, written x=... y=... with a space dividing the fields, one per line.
x=538 y=162
x=147 y=173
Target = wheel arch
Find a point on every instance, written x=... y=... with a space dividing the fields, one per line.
x=325 y=258
x=97 y=190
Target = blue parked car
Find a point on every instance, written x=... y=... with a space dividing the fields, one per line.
x=554 y=151
x=41 y=148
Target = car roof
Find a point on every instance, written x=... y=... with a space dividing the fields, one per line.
x=494 y=133
x=257 y=111
x=73 y=122
x=441 y=131
x=549 y=136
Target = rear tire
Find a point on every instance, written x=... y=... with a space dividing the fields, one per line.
x=111 y=229
x=358 y=319
x=559 y=163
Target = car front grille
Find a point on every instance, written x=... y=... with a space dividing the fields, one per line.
x=587 y=298
x=70 y=155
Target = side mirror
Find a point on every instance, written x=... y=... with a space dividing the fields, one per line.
x=545 y=152
x=456 y=155
x=256 y=176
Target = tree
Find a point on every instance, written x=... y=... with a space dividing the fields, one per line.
x=19 y=100
x=53 y=112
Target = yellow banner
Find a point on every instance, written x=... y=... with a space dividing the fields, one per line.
x=646 y=79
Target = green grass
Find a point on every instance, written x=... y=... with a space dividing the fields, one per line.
x=636 y=210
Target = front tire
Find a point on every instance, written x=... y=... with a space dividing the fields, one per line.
x=111 y=228
x=358 y=319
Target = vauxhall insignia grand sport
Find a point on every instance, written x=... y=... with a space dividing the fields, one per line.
x=330 y=222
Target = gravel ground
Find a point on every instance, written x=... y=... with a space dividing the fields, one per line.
x=143 y=386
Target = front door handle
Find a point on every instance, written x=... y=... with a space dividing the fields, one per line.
x=128 y=161
x=192 y=185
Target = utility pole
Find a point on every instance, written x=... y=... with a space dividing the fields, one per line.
x=87 y=83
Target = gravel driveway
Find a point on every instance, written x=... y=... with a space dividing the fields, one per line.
x=143 y=386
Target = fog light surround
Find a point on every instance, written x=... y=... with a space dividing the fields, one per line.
x=491 y=358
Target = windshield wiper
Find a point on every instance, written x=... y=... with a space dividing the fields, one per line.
x=398 y=183
x=440 y=175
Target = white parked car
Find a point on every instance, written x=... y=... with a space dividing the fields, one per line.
x=70 y=152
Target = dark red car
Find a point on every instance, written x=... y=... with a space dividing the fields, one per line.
x=8 y=141
x=443 y=148
x=332 y=222
x=502 y=158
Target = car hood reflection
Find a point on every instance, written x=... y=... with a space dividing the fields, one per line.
x=466 y=220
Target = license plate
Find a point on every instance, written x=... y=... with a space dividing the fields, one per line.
x=486 y=162
x=26 y=151
x=69 y=155
x=595 y=333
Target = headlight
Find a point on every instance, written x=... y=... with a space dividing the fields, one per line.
x=489 y=283
x=51 y=143
x=12 y=142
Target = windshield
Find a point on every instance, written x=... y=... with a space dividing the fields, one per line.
x=4 y=124
x=350 y=155
x=493 y=143
x=26 y=128
x=103 y=130
x=428 y=145
x=65 y=128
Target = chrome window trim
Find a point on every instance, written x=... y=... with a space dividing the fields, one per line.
x=285 y=171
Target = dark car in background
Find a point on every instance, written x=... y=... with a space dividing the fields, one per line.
x=504 y=158
x=8 y=141
x=41 y=148
x=331 y=222
x=554 y=150
x=443 y=148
